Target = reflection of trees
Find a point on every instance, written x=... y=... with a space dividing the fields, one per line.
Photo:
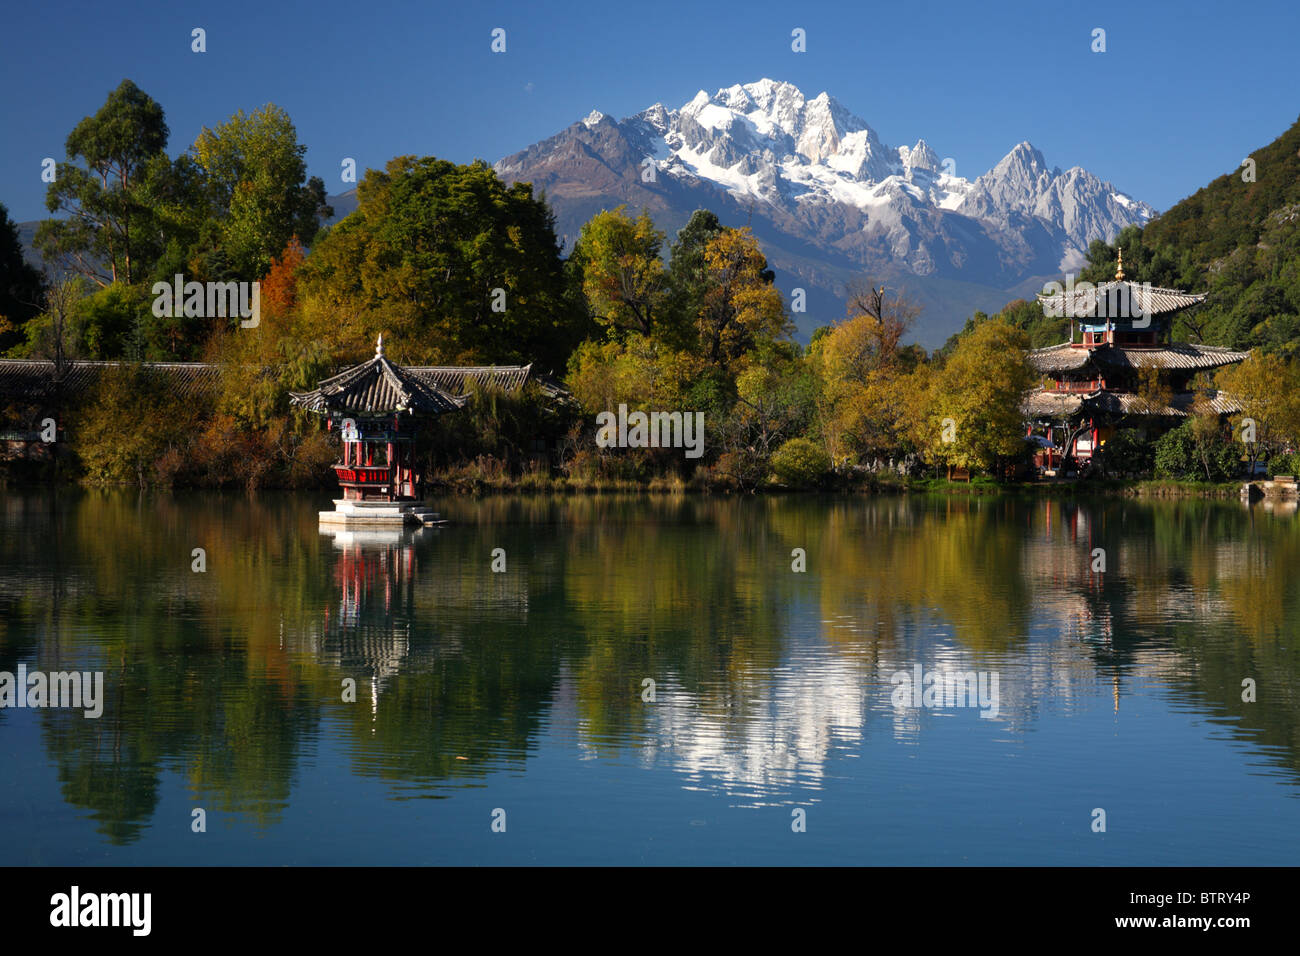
x=222 y=676
x=447 y=689
x=1198 y=596
x=889 y=563
x=194 y=680
x=689 y=597
x=488 y=650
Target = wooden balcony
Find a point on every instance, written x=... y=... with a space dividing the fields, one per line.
x=362 y=475
x=1070 y=388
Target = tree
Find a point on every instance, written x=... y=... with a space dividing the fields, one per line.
x=741 y=308
x=255 y=179
x=883 y=321
x=132 y=421
x=1268 y=389
x=1215 y=454
x=1175 y=454
x=456 y=266
x=971 y=415
x=21 y=286
x=56 y=335
x=1197 y=448
x=108 y=235
x=1127 y=453
x=799 y=463
x=623 y=275
x=688 y=275
x=280 y=287
x=861 y=360
x=773 y=403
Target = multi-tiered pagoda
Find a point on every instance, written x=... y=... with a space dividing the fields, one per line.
x=1122 y=373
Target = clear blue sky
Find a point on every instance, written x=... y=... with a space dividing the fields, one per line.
x=1182 y=93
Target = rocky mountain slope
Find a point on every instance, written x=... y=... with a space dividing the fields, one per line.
x=831 y=202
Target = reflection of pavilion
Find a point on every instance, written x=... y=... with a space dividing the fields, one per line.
x=369 y=630
x=1089 y=621
x=1059 y=567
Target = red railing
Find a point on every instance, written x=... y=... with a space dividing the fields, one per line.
x=362 y=474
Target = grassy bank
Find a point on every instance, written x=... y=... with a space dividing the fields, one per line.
x=538 y=482
x=472 y=480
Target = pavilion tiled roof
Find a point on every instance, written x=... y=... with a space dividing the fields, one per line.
x=459 y=380
x=377 y=387
x=1068 y=358
x=1041 y=403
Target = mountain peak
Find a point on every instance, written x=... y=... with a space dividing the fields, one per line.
x=813 y=176
x=920 y=156
x=1024 y=154
x=766 y=89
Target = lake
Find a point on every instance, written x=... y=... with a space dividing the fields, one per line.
x=653 y=680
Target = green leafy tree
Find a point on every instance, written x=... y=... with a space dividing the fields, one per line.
x=622 y=268
x=455 y=265
x=1127 y=454
x=971 y=413
x=1175 y=454
x=256 y=184
x=688 y=275
x=109 y=233
x=21 y=286
x=1198 y=449
x=774 y=402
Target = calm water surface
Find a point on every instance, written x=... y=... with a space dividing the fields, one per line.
x=525 y=691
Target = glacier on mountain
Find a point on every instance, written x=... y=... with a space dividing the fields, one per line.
x=767 y=142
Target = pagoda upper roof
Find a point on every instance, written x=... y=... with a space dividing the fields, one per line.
x=1128 y=300
x=377 y=387
x=1067 y=358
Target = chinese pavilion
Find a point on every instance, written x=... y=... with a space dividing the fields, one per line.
x=375 y=405
x=1124 y=371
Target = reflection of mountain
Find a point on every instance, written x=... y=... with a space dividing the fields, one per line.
x=765 y=676
x=777 y=739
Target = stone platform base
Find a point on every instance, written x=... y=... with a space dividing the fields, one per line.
x=350 y=513
x=1282 y=486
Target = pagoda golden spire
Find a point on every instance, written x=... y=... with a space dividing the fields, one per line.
x=1119 y=267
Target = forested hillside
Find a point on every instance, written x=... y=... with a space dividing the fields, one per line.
x=1238 y=238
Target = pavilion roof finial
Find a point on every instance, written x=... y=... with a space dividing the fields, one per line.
x=1119 y=267
x=379 y=346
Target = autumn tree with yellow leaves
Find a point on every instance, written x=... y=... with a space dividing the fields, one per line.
x=967 y=415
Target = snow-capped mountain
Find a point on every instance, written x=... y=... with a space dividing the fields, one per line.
x=830 y=200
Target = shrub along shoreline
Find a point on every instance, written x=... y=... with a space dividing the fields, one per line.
x=541 y=484
x=473 y=479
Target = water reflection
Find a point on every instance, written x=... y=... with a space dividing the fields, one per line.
x=768 y=683
x=368 y=630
